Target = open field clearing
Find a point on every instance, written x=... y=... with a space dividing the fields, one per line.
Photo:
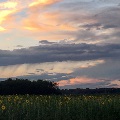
x=27 y=107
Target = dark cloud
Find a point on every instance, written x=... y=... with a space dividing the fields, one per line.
x=98 y=26
x=109 y=16
x=31 y=73
x=59 y=52
x=101 y=26
x=19 y=46
x=91 y=26
x=110 y=70
x=46 y=42
x=110 y=26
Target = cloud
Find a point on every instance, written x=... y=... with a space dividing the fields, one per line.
x=2 y=29
x=19 y=46
x=80 y=21
x=46 y=22
x=5 y=14
x=98 y=26
x=62 y=23
x=36 y=10
x=92 y=85
x=38 y=3
x=59 y=52
x=46 y=42
x=78 y=41
x=68 y=81
x=117 y=82
x=8 y=5
x=107 y=71
x=50 y=68
x=8 y=10
x=49 y=19
x=78 y=80
x=70 y=74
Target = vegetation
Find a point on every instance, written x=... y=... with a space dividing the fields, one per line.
x=34 y=107
x=42 y=87
x=88 y=91
x=24 y=86
x=22 y=99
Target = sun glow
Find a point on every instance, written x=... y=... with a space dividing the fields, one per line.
x=42 y=2
x=2 y=29
x=8 y=5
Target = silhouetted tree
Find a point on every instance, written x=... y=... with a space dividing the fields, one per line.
x=25 y=86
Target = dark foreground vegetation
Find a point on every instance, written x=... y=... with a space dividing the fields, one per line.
x=60 y=107
x=22 y=99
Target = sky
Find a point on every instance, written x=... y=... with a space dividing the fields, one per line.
x=75 y=43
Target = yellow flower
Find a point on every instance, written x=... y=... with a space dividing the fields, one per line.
x=9 y=99
x=21 y=98
x=0 y=101
x=103 y=103
x=60 y=103
x=37 y=98
x=16 y=97
x=3 y=107
x=27 y=101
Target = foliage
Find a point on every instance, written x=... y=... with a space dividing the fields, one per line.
x=24 y=86
x=88 y=91
x=34 y=107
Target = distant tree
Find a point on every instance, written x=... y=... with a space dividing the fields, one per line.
x=25 y=86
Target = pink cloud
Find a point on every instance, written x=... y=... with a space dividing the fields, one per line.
x=78 y=80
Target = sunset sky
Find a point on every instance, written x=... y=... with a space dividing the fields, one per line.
x=73 y=42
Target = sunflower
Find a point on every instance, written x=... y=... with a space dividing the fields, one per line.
x=3 y=107
x=27 y=101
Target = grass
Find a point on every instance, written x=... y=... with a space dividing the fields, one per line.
x=27 y=107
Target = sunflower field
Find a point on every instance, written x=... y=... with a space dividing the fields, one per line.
x=61 y=107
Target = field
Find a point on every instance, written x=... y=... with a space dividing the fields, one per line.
x=27 y=107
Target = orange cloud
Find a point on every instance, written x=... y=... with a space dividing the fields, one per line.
x=67 y=27
x=38 y=5
x=37 y=21
x=8 y=5
x=52 y=25
x=55 y=18
x=46 y=22
x=78 y=80
x=2 y=29
x=32 y=25
x=42 y=2
x=6 y=19
x=7 y=12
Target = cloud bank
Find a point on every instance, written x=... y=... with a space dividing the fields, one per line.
x=59 y=52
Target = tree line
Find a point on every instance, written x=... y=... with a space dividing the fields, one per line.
x=25 y=86
x=42 y=87
x=88 y=91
